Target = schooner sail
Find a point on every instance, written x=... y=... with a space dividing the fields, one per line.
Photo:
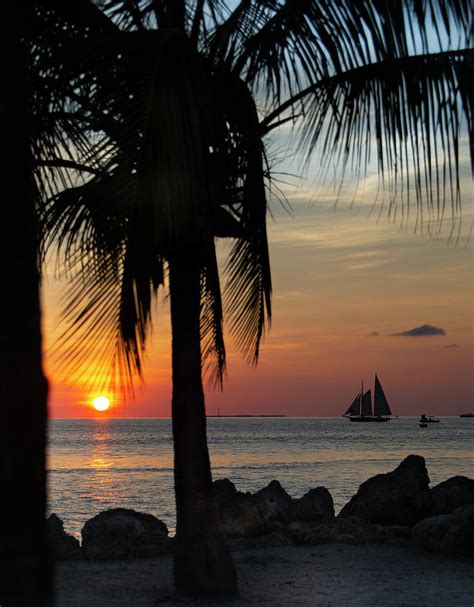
x=381 y=406
x=360 y=410
x=366 y=405
x=354 y=408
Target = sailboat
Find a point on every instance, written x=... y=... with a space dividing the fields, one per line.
x=360 y=410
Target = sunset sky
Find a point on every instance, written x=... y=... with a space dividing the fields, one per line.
x=344 y=284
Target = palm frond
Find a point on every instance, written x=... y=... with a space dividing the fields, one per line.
x=294 y=43
x=212 y=336
x=373 y=79
x=248 y=295
x=90 y=315
x=225 y=42
x=114 y=273
x=248 y=288
x=281 y=56
x=413 y=109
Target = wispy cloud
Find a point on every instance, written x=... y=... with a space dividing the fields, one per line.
x=452 y=346
x=421 y=331
x=367 y=265
x=373 y=334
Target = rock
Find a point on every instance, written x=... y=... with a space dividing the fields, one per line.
x=239 y=516
x=452 y=534
x=275 y=527
x=401 y=497
x=452 y=494
x=121 y=534
x=315 y=505
x=396 y=535
x=270 y=540
x=268 y=510
x=351 y=530
x=244 y=515
x=272 y=501
x=63 y=545
x=273 y=540
x=223 y=489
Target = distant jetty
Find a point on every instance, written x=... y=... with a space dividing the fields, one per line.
x=246 y=415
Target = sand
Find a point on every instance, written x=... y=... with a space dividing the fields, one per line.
x=325 y=575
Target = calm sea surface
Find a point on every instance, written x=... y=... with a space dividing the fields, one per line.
x=99 y=464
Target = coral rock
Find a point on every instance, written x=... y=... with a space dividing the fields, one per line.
x=401 y=497
x=121 y=533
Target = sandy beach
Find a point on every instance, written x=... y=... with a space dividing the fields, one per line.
x=325 y=575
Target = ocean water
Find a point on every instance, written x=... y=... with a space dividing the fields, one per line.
x=99 y=464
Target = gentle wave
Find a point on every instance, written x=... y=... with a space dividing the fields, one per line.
x=105 y=470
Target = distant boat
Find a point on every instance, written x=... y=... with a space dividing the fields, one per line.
x=428 y=419
x=360 y=409
x=467 y=414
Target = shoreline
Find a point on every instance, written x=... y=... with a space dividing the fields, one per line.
x=396 y=542
x=308 y=576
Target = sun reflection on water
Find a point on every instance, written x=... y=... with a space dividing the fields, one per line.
x=102 y=483
x=99 y=463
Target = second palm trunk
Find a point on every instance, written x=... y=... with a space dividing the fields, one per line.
x=203 y=564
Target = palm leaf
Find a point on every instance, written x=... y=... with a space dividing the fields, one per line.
x=248 y=288
x=413 y=108
x=212 y=337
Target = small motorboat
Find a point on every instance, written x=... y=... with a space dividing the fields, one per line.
x=428 y=419
x=467 y=414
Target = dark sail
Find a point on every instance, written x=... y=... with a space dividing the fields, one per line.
x=354 y=409
x=366 y=404
x=381 y=406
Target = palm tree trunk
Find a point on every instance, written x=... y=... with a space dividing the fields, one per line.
x=25 y=573
x=203 y=564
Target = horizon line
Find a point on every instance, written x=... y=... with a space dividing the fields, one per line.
x=238 y=416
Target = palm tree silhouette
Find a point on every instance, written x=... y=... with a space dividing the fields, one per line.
x=166 y=104
x=25 y=566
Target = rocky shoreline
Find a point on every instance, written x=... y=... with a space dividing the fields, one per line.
x=397 y=508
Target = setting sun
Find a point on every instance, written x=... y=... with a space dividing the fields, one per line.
x=101 y=403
